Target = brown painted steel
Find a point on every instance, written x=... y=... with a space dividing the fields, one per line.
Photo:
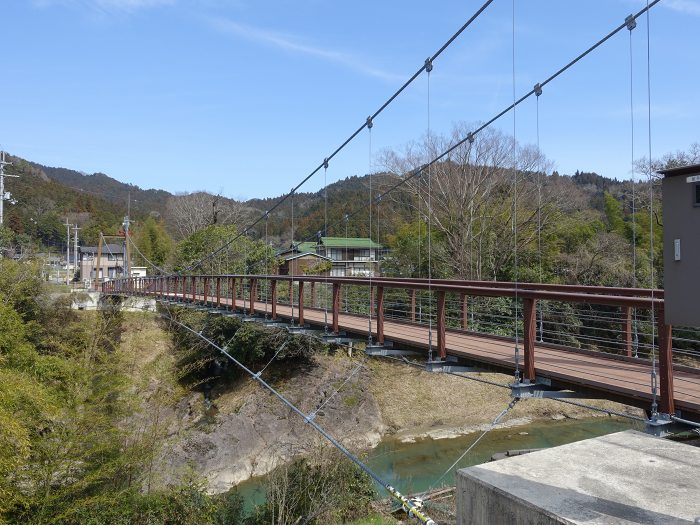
x=218 y=292
x=666 y=403
x=413 y=305
x=336 y=306
x=273 y=290
x=253 y=295
x=380 y=315
x=206 y=290
x=627 y=329
x=301 y=303
x=464 y=306
x=529 y=335
x=442 y=344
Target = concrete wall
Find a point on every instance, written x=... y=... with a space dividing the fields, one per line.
x=681 y=220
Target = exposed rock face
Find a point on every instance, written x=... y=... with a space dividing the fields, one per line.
x=250 y=431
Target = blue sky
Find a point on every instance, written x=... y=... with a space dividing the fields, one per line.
x=246 y=98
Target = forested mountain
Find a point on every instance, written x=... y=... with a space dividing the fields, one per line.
x=581 y=228
x=112 y=190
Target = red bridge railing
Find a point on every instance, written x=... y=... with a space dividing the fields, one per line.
x=227 y=291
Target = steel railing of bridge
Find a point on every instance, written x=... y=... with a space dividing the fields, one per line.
x=582 y=319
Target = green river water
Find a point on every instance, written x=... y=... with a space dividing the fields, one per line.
x=414 y=467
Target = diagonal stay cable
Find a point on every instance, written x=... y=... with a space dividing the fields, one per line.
x=347 y=141
x=359 y=366
x=282 y=347
x=308 y=419
x=476 y=441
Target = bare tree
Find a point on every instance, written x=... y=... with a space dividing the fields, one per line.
x=191 y=212
x=471 y=196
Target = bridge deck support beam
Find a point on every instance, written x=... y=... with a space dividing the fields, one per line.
x=301 y=303
x=666 y=402
x=529 y=335
x=442 y=352
x=380 y=315
x=273 y=291
x=336 y=306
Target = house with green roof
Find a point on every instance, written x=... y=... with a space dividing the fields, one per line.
x=350 y=256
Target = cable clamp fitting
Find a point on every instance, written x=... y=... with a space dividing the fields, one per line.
x=325 y=164
x=428 y=64
x=369 y=123
x=470 y=137
x=630 y=22
x=537 y=89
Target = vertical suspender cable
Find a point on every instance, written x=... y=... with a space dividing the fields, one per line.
x=326 y=251
x=654 y=405
x=429 y=68
x=267 y=265
x=515 y=219
x=631 y=25
x=371 y=266
x=291 y=263
x=538 y=92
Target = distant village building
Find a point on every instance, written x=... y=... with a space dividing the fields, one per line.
x=348 y=257
x=111 y=262
x=300 y=262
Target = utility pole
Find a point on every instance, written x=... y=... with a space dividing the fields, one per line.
x=75 y=248
x=67 y=225
x=4 y=196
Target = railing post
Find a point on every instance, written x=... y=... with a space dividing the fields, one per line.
x=380 y=315
x=529 y=335
x=301 y=303
x=206 y=290
x=442 y=349
x=336 y=306
x=273 y=291
x=666 y=401
x=218 y=292
x=464 y=305
x=232 y=292
x=627 y=329
x=413 y=306
x=253 y=295
x=194 y=288
x=313 y=294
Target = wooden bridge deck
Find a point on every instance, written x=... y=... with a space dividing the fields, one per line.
x=609 y=376
x=614 y=377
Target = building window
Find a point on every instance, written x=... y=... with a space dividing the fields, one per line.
x=696 y=195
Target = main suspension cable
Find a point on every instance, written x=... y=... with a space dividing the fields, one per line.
x=355 y=133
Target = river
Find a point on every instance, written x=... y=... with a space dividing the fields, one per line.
x=417 y=466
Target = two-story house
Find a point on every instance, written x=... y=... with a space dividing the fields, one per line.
x=350 y=256
x=111 y=262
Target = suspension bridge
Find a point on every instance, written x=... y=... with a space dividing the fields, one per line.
x=562 y=342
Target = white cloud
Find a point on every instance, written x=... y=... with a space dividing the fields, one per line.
x=688 y=7
x=291 y=44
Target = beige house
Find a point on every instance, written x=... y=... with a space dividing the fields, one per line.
x=111 y=262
